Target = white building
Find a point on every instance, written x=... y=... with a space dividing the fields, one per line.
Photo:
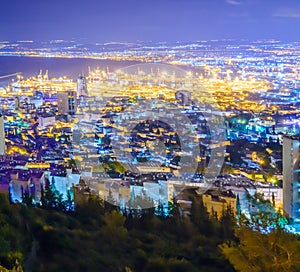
x=291 y=172
x=2 y=135
x=64 y=184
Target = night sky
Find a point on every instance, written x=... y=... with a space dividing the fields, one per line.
x=156 y=20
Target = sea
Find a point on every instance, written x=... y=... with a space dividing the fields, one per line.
x=57 y=67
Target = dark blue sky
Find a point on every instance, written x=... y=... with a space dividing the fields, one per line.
x=157 y=20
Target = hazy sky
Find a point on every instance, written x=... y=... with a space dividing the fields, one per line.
x=157 y=20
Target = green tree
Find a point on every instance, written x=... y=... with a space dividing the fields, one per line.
x=275 y=250
x=201 y=218
x=52 y=199
x=227 y=224
x=113 y=228
x=27 y=198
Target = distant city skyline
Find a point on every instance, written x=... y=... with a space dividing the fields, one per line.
x=116 y=20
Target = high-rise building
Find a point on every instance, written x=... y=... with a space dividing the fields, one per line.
x=291 y=177
x=67 y=102
x=2 y=135
x=81 y=86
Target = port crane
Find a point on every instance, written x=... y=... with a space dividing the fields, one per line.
x=10 y=75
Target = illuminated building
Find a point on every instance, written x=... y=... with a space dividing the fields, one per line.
x=291 y=177
x=22 y=180
x=81 y=86
x=65 y=183
x=82 y=192
x=272 y=193
x=2 y=135
x=261 y=125
x=217 y=201
x=67 y=102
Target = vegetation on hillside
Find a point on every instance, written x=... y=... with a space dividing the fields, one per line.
x=98 y=237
